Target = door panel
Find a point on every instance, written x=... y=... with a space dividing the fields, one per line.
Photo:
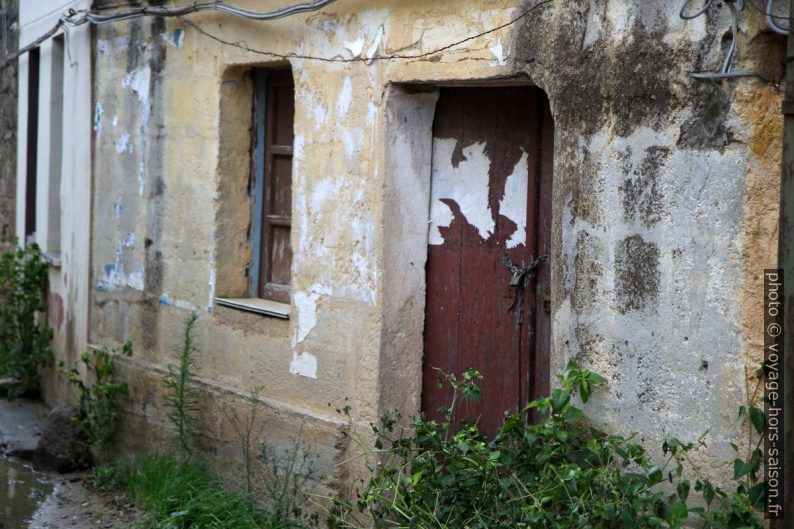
x=485 y=192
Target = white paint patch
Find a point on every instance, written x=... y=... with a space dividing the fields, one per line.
x=113 y=277
x=373 y=49
x=356 y=47
x=212 y=281
x=98 y=117
x=166 y=299
x=498 y=52
x=323 y=190
x=115 y=120
x=304 y=364
x=138 y=81
x=466 y=184
x=123 y=144
x=135 y=279
x=103 y=46
x=372 y=111
x=345 y=98
x=306 y=310
x=353 y=140
x=319 y=113
x=129 y=240
x=514 y=202
x=618 y=15
x=117 y=208
x=594 y=29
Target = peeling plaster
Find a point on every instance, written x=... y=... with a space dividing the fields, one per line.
x=176 y=38
x=466 y=184
x=514 y=202
x=373 y=49
x=167 y=300
x=129 y=240
x=498 y=52
x=345 y=98
x=352 y=140
x=304 y=364
x=212 y=282
x=306 y=311
x=356 y=47
x=114 y=276
x=123 y=144
x=98 y=118
x=139 y=81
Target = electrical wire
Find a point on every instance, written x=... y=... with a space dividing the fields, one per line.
x=177 y=12
x=767 y=10
x=243 y=46
x=726 y=72
x=770 y=17
x=36 y=43
x=96 y=18
x=71 y=18
x=682 y=13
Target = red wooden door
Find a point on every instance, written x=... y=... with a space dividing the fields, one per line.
x=490 y=198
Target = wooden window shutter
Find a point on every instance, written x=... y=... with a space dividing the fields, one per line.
x=275 y=251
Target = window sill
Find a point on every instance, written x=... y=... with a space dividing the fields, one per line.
x=264 y=307
x=52 y=259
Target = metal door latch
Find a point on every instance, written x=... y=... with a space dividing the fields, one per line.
x=520 y=274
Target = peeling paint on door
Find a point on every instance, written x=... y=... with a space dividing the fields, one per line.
x=463 y=181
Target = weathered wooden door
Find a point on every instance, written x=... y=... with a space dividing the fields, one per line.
x=490 y=207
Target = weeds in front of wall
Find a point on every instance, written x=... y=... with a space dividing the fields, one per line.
x=24 y=337
x=178 y=491
x=555 y=474
x=98 y=409
x=182 y=494
x=287 y=478
x=246 y=430
x=104 y=476
x=182 y=397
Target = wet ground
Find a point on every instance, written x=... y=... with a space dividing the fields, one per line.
x=39 y=500
x=21 y=492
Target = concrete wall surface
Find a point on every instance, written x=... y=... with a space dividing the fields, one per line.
x=8 y=128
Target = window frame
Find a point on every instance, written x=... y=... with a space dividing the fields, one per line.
x=266 y=81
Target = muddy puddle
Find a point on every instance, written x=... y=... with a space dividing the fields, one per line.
x=21 y=492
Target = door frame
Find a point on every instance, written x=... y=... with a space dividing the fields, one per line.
x=406 y=167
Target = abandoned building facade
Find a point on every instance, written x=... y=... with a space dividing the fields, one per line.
x=340 y=195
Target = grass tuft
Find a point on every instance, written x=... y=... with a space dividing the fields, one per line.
x=181 y=494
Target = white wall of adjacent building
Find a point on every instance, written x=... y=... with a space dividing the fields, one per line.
x=63 y=165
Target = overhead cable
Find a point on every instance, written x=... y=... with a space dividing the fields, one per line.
x=727 y=71
x=395 y=56
x=77 y=18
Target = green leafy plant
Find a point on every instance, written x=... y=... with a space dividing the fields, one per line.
x=182 y=397
x=558 y=473
x=98 y=408
x=24 y=336
x=103 y=477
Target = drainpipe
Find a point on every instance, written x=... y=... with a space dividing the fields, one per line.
x=786 y=263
